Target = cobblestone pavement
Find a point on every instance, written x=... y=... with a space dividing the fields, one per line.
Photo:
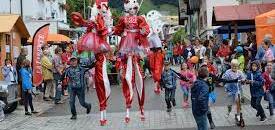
x=155 y=119
x=57 y=117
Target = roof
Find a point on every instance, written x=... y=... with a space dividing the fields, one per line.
x=242 y=14
x=8 y=21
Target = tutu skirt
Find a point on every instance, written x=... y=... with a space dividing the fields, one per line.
x=130 y=44
x=92 y=42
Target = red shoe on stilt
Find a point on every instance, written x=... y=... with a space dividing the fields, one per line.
x=127 y=119
x=103 y=122
x=157 y=90
x=142 y=118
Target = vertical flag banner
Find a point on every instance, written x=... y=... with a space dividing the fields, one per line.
x=39 y=39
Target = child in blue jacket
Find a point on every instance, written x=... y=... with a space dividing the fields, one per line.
x=26 y=75
x=256 y=82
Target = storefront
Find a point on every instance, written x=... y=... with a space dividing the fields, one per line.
x=13 y=33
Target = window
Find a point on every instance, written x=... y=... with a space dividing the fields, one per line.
x=8 y=46
x=205 y=19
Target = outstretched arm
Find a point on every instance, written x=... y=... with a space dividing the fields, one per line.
x=181 y=77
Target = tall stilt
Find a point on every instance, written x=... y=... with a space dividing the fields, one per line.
x=127 y=118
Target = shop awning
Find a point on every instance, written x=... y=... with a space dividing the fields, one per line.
x=241 y=14
x=58 y=38
x=8 y=21
x=225 y=29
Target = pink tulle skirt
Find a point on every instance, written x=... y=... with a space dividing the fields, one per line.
x=92 y=42
x=130 y=44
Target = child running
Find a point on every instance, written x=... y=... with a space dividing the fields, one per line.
x=168 y=82
x=256 y=82
x=185 y=85
x=231 y=78
x=269 y=90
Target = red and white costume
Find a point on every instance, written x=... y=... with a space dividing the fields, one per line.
x=95 y=40
x=133 y=30
x=156 y=60
x=156 y=57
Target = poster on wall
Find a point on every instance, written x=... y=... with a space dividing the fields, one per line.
x=8 y=50
x=39 y=40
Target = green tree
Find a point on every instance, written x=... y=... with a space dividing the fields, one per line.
x=77 y=6
x=179 y=36
x=116 y=13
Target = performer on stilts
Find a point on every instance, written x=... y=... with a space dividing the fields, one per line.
x=134 y=31
x=95 y=40
x=156 y=57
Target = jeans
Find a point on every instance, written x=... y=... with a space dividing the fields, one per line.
x=170 y=97
x=256 y=104
x=270 y=102
x=58 y=92
x=201 y=122
x=80 y=93
x=28 y=101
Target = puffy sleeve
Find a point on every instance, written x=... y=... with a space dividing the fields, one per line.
x=143 y=25
x=119 y=28
x=100 y=25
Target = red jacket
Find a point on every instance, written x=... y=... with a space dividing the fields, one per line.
x=224 y=51
x=176 y=50
x=267 y=80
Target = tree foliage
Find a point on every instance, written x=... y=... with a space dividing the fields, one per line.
x=179 y=36
x=159 y=2
x=77 y=6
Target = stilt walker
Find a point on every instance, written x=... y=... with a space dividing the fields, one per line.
x=95 y=40
x=134 y=31
x=156 y=57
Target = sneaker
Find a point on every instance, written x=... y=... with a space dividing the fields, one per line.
x=73 y=117
x=58 y=102
x=258 y=115
x=28 y=114
x=212 y=125
x=263 y=119
x=47 y=99
x=89 y=109
x=34 y=112
x=169 y=110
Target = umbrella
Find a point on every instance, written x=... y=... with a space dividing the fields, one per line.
x=58 y=38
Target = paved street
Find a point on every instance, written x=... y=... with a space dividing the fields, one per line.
x=56 y=117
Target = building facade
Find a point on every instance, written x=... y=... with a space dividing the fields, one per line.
x=36 y=13
x=205 y=27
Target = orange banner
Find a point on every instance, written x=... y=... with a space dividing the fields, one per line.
x=39 y=39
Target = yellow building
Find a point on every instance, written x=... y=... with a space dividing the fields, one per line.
x=13 y=33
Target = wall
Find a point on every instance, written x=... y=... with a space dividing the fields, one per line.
x=207 y=8
x=14 y=46
x=34 y=9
